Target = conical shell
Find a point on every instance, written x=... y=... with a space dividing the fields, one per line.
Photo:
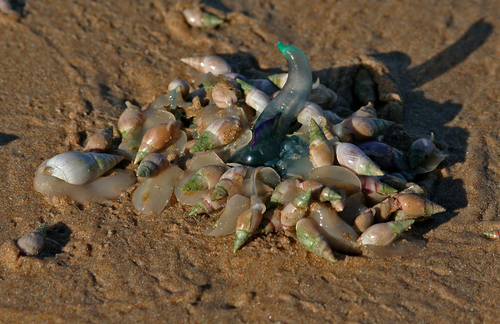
x=271 y=221
x=155 y=139
x=230 y=183
x=221 y=132
x=321 y=152
x=492 y=235
x=196 y=18
x=361 y=128
x=414 y=207
x=296 y=210
x=80 y=168
x=279 y=79
x=227 y=221
x=223 y=97
x=206 y=178
x=312 y=110
x=100 y=142
x=152 y=165
x=206 y=205
x=309 y=235
x=373 y=184
x=130 y=122
x=248 y=222
x=384 y=233
x=211 y=63
x=285 y=192
x=368 y=111
x=364 y=220
x=254 y=97
x=353 y=158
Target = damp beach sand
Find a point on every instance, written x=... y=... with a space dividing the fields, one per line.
x=68 y=67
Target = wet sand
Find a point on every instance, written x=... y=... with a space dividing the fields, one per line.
x=66 y=70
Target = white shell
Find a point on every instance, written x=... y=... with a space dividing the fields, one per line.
x=257 y=99
x=179 y=83
x=101 y=189
x=80 y=168
x=211 y=63
x=314 y=111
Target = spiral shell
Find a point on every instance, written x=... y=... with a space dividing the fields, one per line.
x=368 y=111
x=296 y=210
x=382 y=154
x=211 y=63
x=492 y=235
x=130 y=127
x=314 y=111
x=384 y=233
x=414 y=207
x=80 y=168
x=226 y=224
x=207 y=205
x=323 y=96
x=271 y=221
x=424 y=156
x=373 y=184
x=321 y=152
x=100 y=142
x=230 y=183
x=197 y=18
x=156 y=139
x=309 y=235
x=223 y=97
x=319 y=190
x=130 y=122
x=350 y=156
x=221 y=132
x=205 y=178
x=285 y=192
x=179 y=83
x=254 y=97
x=34 y=242
x=279 y=79
x=151 y=165
x=361 y=128
x=248 y=222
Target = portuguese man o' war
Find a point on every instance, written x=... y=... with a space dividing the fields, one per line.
x=272 y=125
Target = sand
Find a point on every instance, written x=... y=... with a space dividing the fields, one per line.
x=66 y=70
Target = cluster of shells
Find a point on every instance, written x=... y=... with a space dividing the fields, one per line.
x=334 y=184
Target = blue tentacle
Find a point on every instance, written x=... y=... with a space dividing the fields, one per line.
x=272 y=125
